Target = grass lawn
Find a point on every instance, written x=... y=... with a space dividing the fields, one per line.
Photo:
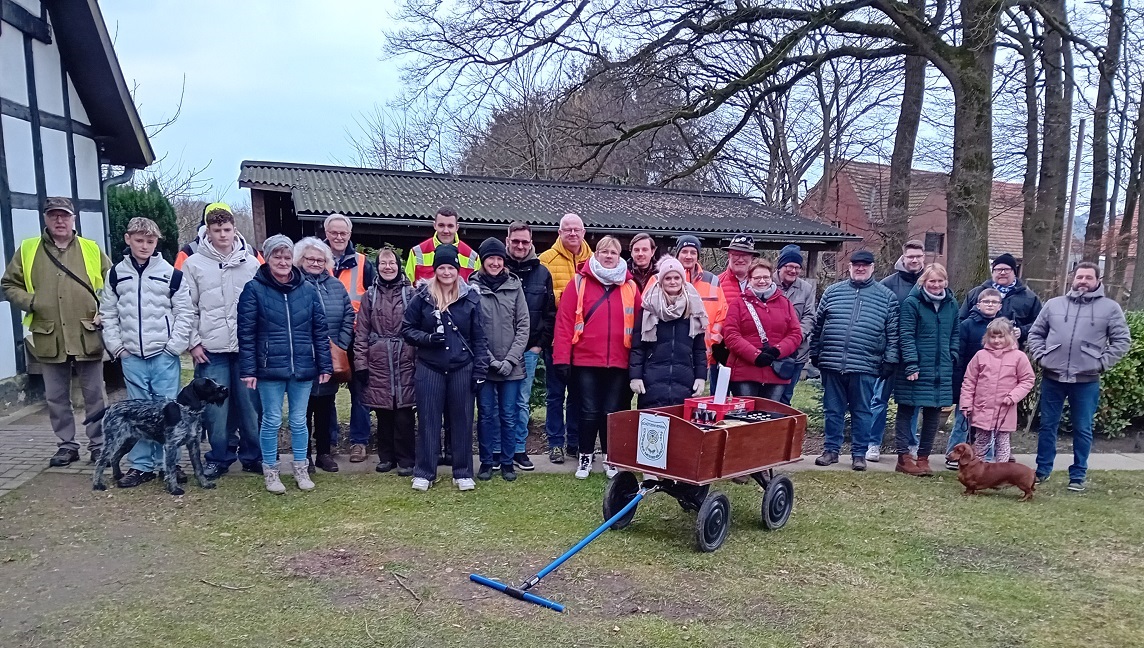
x=866 y=560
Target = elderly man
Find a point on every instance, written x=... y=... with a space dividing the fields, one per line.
x=740 y=252
x=800 y=293
x=1075 y=338
x=56 y=279
x=642 y=261
x=357 y=274
x=1019 y=304
x=855 y=341
x=562 y=260
x=445 y=225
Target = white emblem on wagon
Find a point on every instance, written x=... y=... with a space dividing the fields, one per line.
x=651 y=447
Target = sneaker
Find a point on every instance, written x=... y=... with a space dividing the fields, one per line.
x=212 y=470
x=326 y=462
x=94 y=456
x=134 y=478
x=828 y=457
x=609 y=470
x=556 y=455
x=302 y=476
x=521 y=460
x=465 y=484
x=951 y=465
x=357 y=453
x=585 y=467
x=858 y=463
x=1077 y=485
x=252 y=466
x=508 y=471
x=63 y=457
x=485 y=472
x=405 y=471
x=384 y=467
x=420 y=484
x=273 y=480
x=1040 y=479
x=874 y=453
x=180 y=476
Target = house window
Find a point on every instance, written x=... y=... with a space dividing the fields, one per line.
x=935 y=242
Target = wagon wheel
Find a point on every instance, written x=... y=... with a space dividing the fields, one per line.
x=620 y=490
x=778 y=501
x=713 y=522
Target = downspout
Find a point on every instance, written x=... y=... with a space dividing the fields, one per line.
x=108 y=183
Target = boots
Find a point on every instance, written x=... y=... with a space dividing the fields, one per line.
x=924 y=467
x=273 y=481
x=302 y=476
x=907 y=465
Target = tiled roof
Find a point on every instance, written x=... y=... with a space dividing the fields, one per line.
x=382 y=194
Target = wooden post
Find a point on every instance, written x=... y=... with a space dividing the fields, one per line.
x=1066 y=247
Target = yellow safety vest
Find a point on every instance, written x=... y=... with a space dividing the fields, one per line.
x=92 y=263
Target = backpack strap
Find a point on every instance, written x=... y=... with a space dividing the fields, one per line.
x=176 y=281
x=113 y=279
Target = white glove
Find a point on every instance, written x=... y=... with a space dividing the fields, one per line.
x=697 y=386
x=636 y=386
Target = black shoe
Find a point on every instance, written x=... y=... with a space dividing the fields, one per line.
x=1040 y=479
x=94 y=456
x=404 y=471
x=180 y=476
x=508 y=472
x=384 y=467
x=572 y=451
x=522 y=461
x=857 y=463
x=252 y=467
x=214 y=470
x=485 y=472
x=134 y=477
x=826 y=458
x=556 y=455
x=63 y=457
x=326 y=462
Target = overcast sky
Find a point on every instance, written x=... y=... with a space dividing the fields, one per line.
x=279 y=80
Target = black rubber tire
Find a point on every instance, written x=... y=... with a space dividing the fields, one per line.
x=617 y=493
x=778 y=502
x=713 y=522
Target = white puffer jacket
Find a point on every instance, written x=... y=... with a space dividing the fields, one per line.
x=215 y=282
x=140 y=315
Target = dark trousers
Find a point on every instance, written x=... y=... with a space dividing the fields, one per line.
x=554 y=427
x=395 y=436
x=903 y=428
x=769 y=391
x=318 y=416
x=788 y=389
x=447 y=396
x=600 y=391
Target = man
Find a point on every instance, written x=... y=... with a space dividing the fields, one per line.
x=642 y=261
x=907 y=269
x=1019 y=304
x=740 y=253
x=56 y=278
x=357 y=274
x=855 y=341
x=800 y=293
x=563 y=261
x=420 y=263
x=537 y=283
x=1074 y=339
x=215 y=275
x=201 y=237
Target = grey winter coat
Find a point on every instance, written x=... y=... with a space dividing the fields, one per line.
x=504 y=312
x=800 y=294
x=1079 y=336
x=339 y=319
x=856 y=328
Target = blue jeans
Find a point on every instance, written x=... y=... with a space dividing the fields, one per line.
x=879 y=404
x=788 y=389
x=150 y=378
x=842 y=393
x=524 y=402
x=271 y=393
x=554 y=426
x=498 y=411
x=232 y=427
x=1083 y=398
x=359 y=418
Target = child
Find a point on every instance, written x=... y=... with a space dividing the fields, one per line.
x=997 y=378
x=971 y=332
x=146 y=315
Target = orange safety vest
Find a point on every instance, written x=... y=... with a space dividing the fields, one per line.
x=354 y=281
x=628 y=292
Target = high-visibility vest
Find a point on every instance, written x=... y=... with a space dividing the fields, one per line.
x=92 y=264
x=628 y=292
x=420 y=263
x=354 y=281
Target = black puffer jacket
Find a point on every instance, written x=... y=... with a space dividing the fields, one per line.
x=902 y=281
x=537 y=284
x=669 y=365
x=856 y=328
x=1021 y=306
x=282 y=331
x=465 y=339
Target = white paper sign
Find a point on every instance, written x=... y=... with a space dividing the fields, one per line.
x=722 y=382
x=651 y=446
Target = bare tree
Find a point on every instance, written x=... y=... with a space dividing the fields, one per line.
x=1098 y=199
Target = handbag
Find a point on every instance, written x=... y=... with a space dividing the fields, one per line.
x=342 y=370
x=786 y=368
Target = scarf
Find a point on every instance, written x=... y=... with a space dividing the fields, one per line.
x=389 y=282
x=766 y=293
x=1004 y=290
x=933 y=300
x=493 y=282
x=607 y=276
x=658 y=307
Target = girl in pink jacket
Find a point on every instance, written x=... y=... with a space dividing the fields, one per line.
x=997 y=378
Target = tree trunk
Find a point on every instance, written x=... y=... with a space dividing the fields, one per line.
x=1098 y=200
x=1131 y=207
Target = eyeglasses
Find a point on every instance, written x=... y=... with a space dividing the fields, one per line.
x=519 y=242
x=314 y=259
x=988 y=302
x=57 y=214
x=337 y=234
x=1002 y=270
x=572 y=230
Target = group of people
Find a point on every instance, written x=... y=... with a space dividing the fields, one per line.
x=460 y=332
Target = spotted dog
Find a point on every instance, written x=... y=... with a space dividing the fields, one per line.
x=172 y=423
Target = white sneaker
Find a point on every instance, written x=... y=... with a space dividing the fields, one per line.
x=585 y=467
x=420 y=484
x=873 y=453
x=609 y=470
x=273 y=481
x=302 y=476
x=465 y=484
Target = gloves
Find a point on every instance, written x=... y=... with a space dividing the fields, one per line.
x=766 y=356
x=437 y=339
x=697 y=387
x=888 y=369
x=720 y=353
x=637 y=386
x=495 y=365
x=563 y=372
x=362 y=376
x=504 y=368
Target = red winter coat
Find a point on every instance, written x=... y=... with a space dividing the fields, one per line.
x=741 y=336
x=602 y=342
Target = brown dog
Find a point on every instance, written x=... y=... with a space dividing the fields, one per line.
x=976 y=474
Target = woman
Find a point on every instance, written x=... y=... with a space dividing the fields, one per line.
x=593 y=341
x=383 y=362
x=928 y=337
x=443 y=320
x=760 y=328
x=315 y=259
x=668 y=361
x=283 y=345
x=505 y=312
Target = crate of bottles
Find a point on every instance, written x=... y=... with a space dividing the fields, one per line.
x=705 y=411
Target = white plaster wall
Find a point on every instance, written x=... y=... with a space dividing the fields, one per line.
x=33 y=6
x=91 y=225
x=13 y=76
x=49 y=84
x=57 y=174
x=78 y=112
x=7 y=343
x=18 y=152
x=25 y=224
x=86 y=167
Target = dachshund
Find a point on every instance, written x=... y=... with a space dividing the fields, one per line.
x=976 y=474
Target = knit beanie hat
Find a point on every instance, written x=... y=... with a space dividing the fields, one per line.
x=1004 y=259
x=668 y=264
x=686 y=240
x=790 y=254
x=275 y=242
x=491 y=247
x=445 y=254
